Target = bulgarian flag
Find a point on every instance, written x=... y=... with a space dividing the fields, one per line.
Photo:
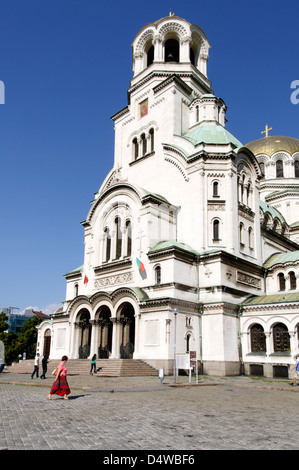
x=140 y=265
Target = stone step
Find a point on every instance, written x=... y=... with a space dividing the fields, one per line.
x=108 y=367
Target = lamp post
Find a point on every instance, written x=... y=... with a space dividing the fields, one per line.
x=175 y=311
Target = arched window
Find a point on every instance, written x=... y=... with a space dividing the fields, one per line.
x=279 y=169
x=281 y=338
x=188 y=337
x=215 y=189
x=152 y=139
x=197 y=113
x=143 y=142
x=135 y=148
x=150 y=56
x=107 y=241
x=248 y=195
x=250 y=237
x=172 y=51
x=76 y=290
x=158 y=275
x=192 y=56
x=242 y=233
x=293 y=283
x=296 y=168
x=129 y=237
x=281 y=281
x=216 y=226
x=118 y=238
x=257 y=339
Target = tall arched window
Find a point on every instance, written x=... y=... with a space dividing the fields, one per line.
x=172 y=51
x=257 y=339
x=192 y=56
x=76 y=290
x=241 y=233
x=215 y=189
x=158 y=275
x=281 y=338
x=216 y=231
x=188 y=337
x=135 y=148
x=293 y=283
x=152 y=139
x=118 y=238
x=150 y=56
x=281 y=281
x=248 y=195
x=250 y=238
x=279 y=169
x=107 y=245
x=143 y=143
x=129 y=237
x=296 y=168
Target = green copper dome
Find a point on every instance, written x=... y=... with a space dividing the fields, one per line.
x=211 y=134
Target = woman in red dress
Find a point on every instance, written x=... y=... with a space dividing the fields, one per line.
x=60 y=386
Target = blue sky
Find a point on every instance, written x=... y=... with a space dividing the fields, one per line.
x=66 y=66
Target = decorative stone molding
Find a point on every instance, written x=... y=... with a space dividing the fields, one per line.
x=251 y=281
x=113 y=280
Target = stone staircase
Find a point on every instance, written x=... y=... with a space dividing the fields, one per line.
x=109 y=367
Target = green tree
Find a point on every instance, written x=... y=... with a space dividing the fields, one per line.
x=25 y=341
x=3 y=322
x=28 y=336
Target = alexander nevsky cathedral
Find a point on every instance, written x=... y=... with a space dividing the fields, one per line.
x=191 y=243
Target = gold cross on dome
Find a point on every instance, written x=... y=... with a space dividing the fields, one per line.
x=171 y=14
x=267 y=129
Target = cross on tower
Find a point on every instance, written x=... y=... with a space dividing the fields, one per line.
x=267 y=129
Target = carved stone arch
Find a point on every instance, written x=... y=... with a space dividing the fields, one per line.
x=116 y=189
x=201 y=45
x=284 y=156
x=246 y=157
x=173 y=30
x=81 y=300
x=123 y=292
x=99 y=296
x=144 y=39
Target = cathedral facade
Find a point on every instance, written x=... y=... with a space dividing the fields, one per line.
x=192 y=241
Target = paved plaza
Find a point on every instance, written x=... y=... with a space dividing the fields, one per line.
x=126 y=414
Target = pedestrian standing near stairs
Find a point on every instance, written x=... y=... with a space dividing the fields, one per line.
x=36 y=366
x=93 y=364
x=44 y=366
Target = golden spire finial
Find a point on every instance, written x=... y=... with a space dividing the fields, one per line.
x=171 y=14
x=267 y=129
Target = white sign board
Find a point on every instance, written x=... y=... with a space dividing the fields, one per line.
x=182 y=361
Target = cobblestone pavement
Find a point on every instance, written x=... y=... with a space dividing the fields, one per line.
x=129 y=414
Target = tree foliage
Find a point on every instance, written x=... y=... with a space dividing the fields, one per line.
x=25 y=341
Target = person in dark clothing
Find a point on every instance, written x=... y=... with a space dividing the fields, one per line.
x=44 y=366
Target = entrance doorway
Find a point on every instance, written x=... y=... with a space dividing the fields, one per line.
x=85 y=333
x=127 y=321
x=104 y=333
x=47 y=343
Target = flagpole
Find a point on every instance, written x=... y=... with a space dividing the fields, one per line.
x=175 y=311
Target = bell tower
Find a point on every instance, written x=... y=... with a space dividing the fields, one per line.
x=171 y=45
x=169 y=66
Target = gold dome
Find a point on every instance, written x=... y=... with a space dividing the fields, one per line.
x=273 y=144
